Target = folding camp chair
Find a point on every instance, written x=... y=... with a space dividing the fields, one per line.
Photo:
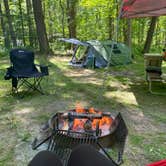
x=23 y=71
x=153 y=66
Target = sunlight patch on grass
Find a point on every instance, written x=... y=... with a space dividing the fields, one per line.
x=4 y=66
x=61 y=62
x=127 y=98
x=118 y=85
x=60 y=84
x=80 y=72
x=24 y=110
x=91 y=80
x=59 y=59
x=82 y=104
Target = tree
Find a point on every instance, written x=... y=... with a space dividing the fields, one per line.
x=63 y=16
x=4 y=30
x=40 y=27
x=150 y=35
x=30 y=22
x=111 y=27
x=82 y=19
x=127 y=32
x=22 y=22
x=12 y=33
x=71 y=17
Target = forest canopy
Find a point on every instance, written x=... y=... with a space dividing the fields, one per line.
x=38 y=24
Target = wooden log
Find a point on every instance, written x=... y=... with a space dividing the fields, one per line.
x=77 y=115
x=84 y=115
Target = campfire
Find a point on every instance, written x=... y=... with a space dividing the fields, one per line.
x=84 y=126
x=85 y=121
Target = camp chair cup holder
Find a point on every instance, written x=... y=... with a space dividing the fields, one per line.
x=44 y=69
x=8 y=73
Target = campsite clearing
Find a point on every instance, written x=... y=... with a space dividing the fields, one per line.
x=125 y=91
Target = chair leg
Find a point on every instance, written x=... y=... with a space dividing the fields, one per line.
x=35 y=86
x=150 y=86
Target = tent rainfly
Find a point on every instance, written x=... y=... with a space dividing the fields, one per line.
x=143 y=8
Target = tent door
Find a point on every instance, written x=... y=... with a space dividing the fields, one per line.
x=90 y=62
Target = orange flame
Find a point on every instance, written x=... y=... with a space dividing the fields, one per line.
x=78 y=124
x=79 y=108
x=104 y=123
x=92 y=111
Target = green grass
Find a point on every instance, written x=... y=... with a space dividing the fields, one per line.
x=124 y=90
x=136 y=139
x=155 y=151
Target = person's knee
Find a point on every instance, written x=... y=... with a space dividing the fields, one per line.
x=45 y=158
x=87 y=155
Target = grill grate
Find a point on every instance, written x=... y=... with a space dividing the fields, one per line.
x=62 y=142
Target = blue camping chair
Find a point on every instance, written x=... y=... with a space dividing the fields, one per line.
x=23 y=71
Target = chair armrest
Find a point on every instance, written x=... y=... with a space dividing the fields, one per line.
x=43 y=69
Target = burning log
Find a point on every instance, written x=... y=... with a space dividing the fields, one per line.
x=72 y=120
x=73 y=115
x=87 y=115
x=88 y=125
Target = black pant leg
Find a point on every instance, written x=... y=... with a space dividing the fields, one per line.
x=45 y=158
x=87 y=155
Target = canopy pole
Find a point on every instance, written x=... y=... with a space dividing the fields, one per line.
x=118 y=20
x=115 y=38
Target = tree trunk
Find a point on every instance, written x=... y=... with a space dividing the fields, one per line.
x=4 y=30
x=71 y=17
x=63 y=18
x=30 y=22
x=22 y=22
x=150 y=35
x=111 y=27
x=40 y=27
x=127 y=33
x=165 y=41
x=12 y=34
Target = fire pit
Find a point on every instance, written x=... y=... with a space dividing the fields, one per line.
x=85 y=126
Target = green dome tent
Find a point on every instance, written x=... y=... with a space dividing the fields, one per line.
x=99 y=54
